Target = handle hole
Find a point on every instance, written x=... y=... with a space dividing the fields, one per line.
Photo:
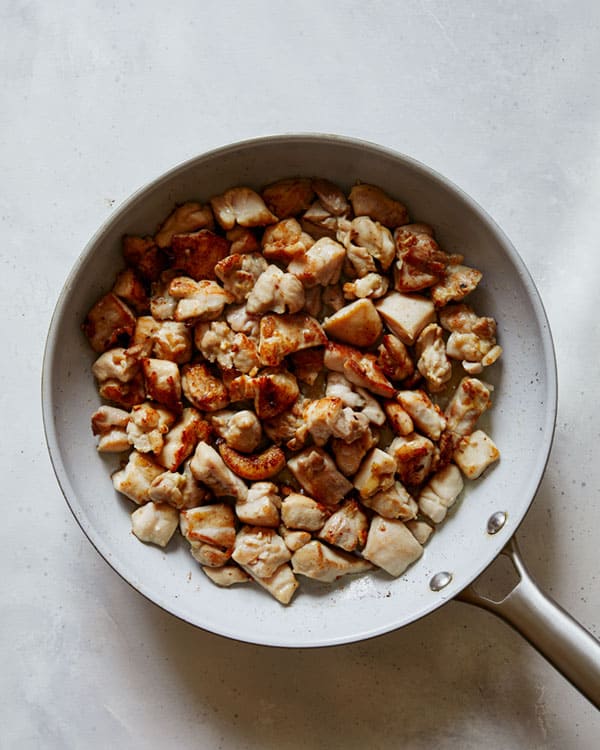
x=498 y=580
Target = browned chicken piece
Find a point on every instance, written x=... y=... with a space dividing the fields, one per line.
x=226 y=575
x=393 y=502
x=347 y=527
x=198 y=300
x=294 y=539
x=414 y=457
x=398 y=418
x=210 y=469
x=409 y=278
x=307 y=364
x=283 y=241
x=288 y=197
x=253 y=467
x=210 y=556
x=110 y=424
x=129 y=287
x=171 y=340
x=457 y=283
x=332 y=297
x=242 y=240
x=260 y=551
x=163 y=383
x=124 y=394
x=440 y=493
x=162 y=303
x=211 y=524
x=142 y=340
x=316 y=472
x=182 y=438
x=432 y=361
x=319 y=222
x=349 y=456
x=470 y=400
x=406 y=314
x=369 y=200
x=359 y=368
x=108 y=322
x=273 y=391
x=327 y=417
x=426 y=415
x=288 y=427
x=277 y=291
x=179 y=490
x=357 y=323
x=261 y=507
x=420 y=251
x=472 y=339
x=243 y=206
x=218 y=343
x=391 y=546
x=188 y=217
x=394 y=358
x=116 y=364
x=303 y=513
x=316 y=560
x=420 y=530
x=135 y=478
x=203 y=389
x=241 y=430
x=281 y=335
x=331 y=197
x=154 y=523
x=195 y=255
x=320 y=264
x=147 y=427
x=376 y=239
x=376 y=473
x=142 y=254
x=474 y=453
x=373 y=286
x=239 y=273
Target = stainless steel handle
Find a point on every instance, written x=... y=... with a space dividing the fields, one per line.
x=555 y=634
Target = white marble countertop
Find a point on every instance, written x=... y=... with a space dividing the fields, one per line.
x=100 y=97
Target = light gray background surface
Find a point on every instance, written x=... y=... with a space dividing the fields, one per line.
x=97 y=98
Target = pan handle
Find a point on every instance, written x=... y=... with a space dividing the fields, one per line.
x=555 y=634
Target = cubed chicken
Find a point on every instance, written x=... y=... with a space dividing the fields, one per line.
x=162 y=303
x=142 y=340
x=226 y=575
x=440 y=493
x=288 y=197
x=391 y=546
x=218 y=343
x=316 y=560
x=316 y=472
x=458 y=281
x=188 y=217
x=210 y=556
x=282 y=584
x=116 y=364
x=394 y=358
x=208 y=467
x=370 y=200
x=182 y=438
x=178 y=490
x=420 y=530
x=432 y=362
x=148 y=426
x=239 y=273
x=242 y=206
x=130 y=288
x=302 y=513
x=372 y=286
x=288 y=427
x=273 y=392
x=211 y=524
x=376 y=239
x=163 y=383
x=357 y=323
x=110 y=321
x=426 y=415
x=154 y=523
x=294 y=539
x=241 y=321
x=198 y=300
x=242 y=240
x=346 y=528
x=474 y=453
x=358 y=367
x=331 y=197
x=319 y=222
x=398 y=418
x=110 y=424
x=327 y=417
x=283 y=241
x=406 y=314
x=277 y=291
x=307 y=364
x=197 y=255
x=260 y=551
x=320 y=264
x=241 y=430
x=203 y=389
x=261 y=507
x=142 y=254
x=172 y=340
x=376 y=473
x=394 y=502
x=414 y=457
x=281 y=335
x=470 y=400
x=124 y=394
x=135 y=478
x=349 y=456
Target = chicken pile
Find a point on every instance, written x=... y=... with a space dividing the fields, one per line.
x=293 y=376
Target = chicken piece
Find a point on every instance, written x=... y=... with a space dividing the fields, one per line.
x=239 y=273
x=432 y=362
x=142 y=340
x=116 y=364
x=196 y=255
x=142 y=254
x=288 y=427
x=203 y=389
x=327 y=417
x=178 y=490
x=346 y=528
x=320 y=264
x=124 y=394
x=312 y=301
x=319 y=222
x=470 y=399
x=273 y=392
x=108 y=322
x=242 y=240
x=241 y=430
x=154 y=523
x=394 y=502
x=147 y=427
x=135 y=478
x=260 y=551
x=420 y=530
x=283 y=241
x=282 y=584
x=163 y=383
x=426 y=415
x=460 y=318
x=318 y=475
x=332 y=297
x=377 y=240
x=198 y=300
x=277 y=291
x=261 y=507
x=208 y=467
x=256 y=466
x=406 y=315
x=472 y=339
x=129 y=287
x=241 y=321
x=210 y=524
x=371 y=286
x=307 y=364
x=457 y=283
x=210 y=556
x=110 y=424
x=420 y=250
x=162 y=304
x=398 y=418
x=226 y=575
x=188 y=217
x=316 y=560
x=302 y=512
x=394 y=358
x=281 y=335
x=440 y=493
x=369 y=200
x=409 y=278
x=288 y=197
x=218 y=343
x=294 y=539
x=354 y=397
x=475 y=452
x=172 y=340
x=242 y=206
x=357 y=323
x=414 y=457
x=331 y=197
x=376 y=473
x=391 y=546
x=359 y=368
x=348 y=456
x=182 y=438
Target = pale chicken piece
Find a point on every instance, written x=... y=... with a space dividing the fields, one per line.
x=320 y=264
x=240 y=429
x=273 y=392
x=162 y=303
x=109 y=321
x=391 y=546
x=409 y=278
x=474 y=453
x=472 y=368
x=163 y=383
x=471 y=398
x=148 y=426
x=283 y=241
x=110 y=424
x=414 y=455
x=210 y=524
x=198 y=300
x=172 y=340
x=142 y=340
x=376 y=239
x=217 y=342
x=432 y=361
x=124 y=394
x=282 y=584
x=359 y=261
x=357 y=323
x=332 y=297
x=440 y=493
x=338 y=386
x=281 y=335
x=241 y=321
x=302 y=513
x=178 y=490
x=317 y=473
x=260 y=551
x=426 y=415
x=154 y=523
x=376 y=473
x=312 y=301
x=242 y=206
x=210 y=556
x=208 y=467
x=319 y=222
x=327 y=417
x=242 y=240
x=226 y=575
x=467 y=346
x=492 y=356
x=135 y=478
x=420 y=530
x=372 y=286
x=406 y=314
x=130 y=288
x=261 y=507
x=116 y=364
x=358 y=367
x=394 y=358
x=461 y=318
x=331 y=197
x=288 y=197
x=369 y=200
x=188 y=217
x=276 y=291
x=181 y=439
x=239 y=273
x=394 y=502
x=398 y=418
x=346 y=528
x=256 y=466
x=203 y=389
x=316 y=560
x=458 y=281
x=294 y=539
x=349 y=456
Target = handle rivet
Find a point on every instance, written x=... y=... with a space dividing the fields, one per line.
x=440 y=580
x=496 y=522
